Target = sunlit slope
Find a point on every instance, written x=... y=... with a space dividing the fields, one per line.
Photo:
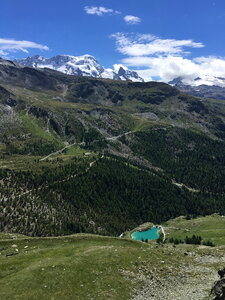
x=209 y=228
x=94 y=267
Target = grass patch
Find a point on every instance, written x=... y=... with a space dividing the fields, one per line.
x=36 y=130
x=88 y=266
x=76 y=150
x=62 y=268
x=33 y=163
x=81 y=267
x=209 y=228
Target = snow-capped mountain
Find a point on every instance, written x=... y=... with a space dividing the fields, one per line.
x=213 y=87
x=85 y=65
x=199 y=81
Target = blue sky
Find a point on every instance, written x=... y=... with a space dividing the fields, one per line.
x=141 y=34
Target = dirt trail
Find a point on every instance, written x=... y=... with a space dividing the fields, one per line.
x=113 y=138
x=61 y=150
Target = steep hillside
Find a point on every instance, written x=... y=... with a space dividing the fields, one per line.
x=101 y=156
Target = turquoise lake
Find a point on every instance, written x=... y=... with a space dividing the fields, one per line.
x=150 y=234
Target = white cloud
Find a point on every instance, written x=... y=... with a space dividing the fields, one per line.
x=140 y=45
x=167 y=68
x=100 y=10
x=12 y=45
x=132 y=19
x=118 y=66
x=166 y=59
x=209 y=69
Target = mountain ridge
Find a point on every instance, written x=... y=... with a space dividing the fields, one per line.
x=200 y=89
x=85 y=65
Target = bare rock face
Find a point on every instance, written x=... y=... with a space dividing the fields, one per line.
x=218 y=291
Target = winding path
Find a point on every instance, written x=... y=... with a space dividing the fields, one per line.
x=113 y=138
x=163 y=232
x=61 y=150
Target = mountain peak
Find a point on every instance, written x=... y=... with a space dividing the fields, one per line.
x=176 y=81
x=84 y=65
x=207 y=86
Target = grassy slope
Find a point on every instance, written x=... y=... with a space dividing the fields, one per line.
x=209 y=228
x=91 y=267
x=83 y=267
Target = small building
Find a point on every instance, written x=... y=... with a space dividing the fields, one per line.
x=87 y=154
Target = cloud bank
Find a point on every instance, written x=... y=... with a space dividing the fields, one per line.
x=166 y=59
x=8 y=46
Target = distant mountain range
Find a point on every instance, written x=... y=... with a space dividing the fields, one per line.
x=201 y=90
x=85 y=65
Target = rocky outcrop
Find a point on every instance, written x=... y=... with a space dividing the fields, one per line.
x=218 y=290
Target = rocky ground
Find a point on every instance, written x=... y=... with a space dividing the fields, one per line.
x=190 y=281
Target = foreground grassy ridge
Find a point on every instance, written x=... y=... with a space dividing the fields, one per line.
x=76 y=267
x=95 y=267
x=209 y=228
x=5 y=236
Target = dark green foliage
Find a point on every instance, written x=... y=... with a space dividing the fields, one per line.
x=151 y=92
x=175 y=241
x=35 y=146
x=195 y=240
x=144 y=240
x=94 y=140
x=218 y=127
x=115 y=96
x=161 y=88
x=160 y=240
x=7 y=98
x=208 y=243
x=194 y=105
x=108 y=198
x=198 y=107
x=91 y=136
x=75 y=130
x=111 y=195
x=33 y=207
x=153 y=98
x=93 y=91
x=82 y=90
x=187 y=157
